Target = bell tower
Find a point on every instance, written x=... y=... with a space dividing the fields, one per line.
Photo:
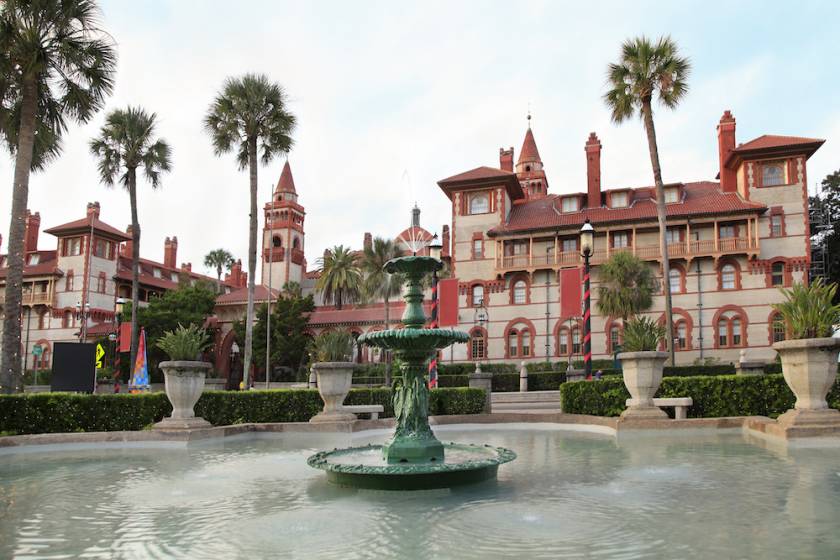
x=529 y=167
x=283 y=236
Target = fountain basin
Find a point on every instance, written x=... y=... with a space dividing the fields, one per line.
x=365 y=467
x=424 y=341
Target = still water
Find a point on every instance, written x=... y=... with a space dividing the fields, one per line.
x=568 y=494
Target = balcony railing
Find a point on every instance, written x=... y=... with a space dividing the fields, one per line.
x=682 y=249
x=30 y=298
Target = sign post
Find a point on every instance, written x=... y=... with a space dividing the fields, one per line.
x=37 y=351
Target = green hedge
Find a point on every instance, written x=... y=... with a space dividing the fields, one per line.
x=66 y=412
x=713 y=396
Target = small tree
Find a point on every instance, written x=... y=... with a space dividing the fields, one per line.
x=341 y=278
x=627 y=285
x=219 y=259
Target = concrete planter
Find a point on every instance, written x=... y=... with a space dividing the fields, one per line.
x=184 y=385
x=810 y=369
x=334 y=380
x=642 y=372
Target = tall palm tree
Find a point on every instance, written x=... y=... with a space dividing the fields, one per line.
x=341 y=278
x=220 y=259
x=626 y=286
x=380 y=284
x=249 y=116
x=127 y=141
x=644 y=71
x=55 y=64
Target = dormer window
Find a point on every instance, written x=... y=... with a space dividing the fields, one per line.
x=157 y=273
x=34 y=258
x=672 y=194
x=479 y=204
x=570 y=204
x=773 y=174
x=174 y=276
x=618 y=200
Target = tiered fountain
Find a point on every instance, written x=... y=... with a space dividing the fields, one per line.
x=413 y=458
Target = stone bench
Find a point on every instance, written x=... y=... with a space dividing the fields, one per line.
x=373 y=409
x=680 y=405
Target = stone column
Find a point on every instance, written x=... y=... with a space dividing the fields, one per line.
x=748 y=367
x=481 y=380
x=523 y=378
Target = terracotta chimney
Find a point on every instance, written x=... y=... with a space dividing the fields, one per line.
x=444 y=238
x=726 y=143
x=187 y=266
x=170 y=252
x=244 y=280
x=127 y=246
x=505 y=160
x=368 y=243
x=93 y=209
x=33 y=225
x=593 y=171
x=235 y=276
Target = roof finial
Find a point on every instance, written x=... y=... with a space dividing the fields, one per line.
x=529 y=115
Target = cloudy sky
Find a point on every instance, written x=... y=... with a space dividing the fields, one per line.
x=392 y=97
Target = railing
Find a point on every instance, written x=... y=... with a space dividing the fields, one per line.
x=682 y=249
x=30 y=298
x=297 y=256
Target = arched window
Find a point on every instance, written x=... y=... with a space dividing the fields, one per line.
x=477 y=295
x=478 y=344
x=730 y=329
x=681 y=334
x=778 y=329
x=563 y=342
x=728 y=277
x=518 y=340
x=615 y=338
x=525 y=343
x=479 y=204
x=676 y=276
x=777 y=274
x=520 y=292
x=575 y=340
x=296 y=243
x=277 y=241
x=513 y=343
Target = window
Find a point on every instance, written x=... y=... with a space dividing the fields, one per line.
x=618 y=200
x=681 y=335
x=776 y=225
x=575 y=340
x=570 y=204
x=513 y=343
x=100 y=283
x=478 y=248
x=773 y=174
x=621 y=239
x=563 y=342
x=277 y=241
x=513 y=248
x=296 y=243
x=727 y=231
x=479 y=204
x=778 y=328
x=723 y=334
x=676 y=280
x=526 y=344
x=615 y=338
x=34 y=258
x=520 y=292
x=478 y=295
x=519 y=342
x=72 y=246
x=174 y=276
x=777 y=274
x=736 y=332
x=673 y=235
x=570 y=245
x=672 y=194
x=68 y=281
x=728 y=277
x=100 y=248
x=42 y=320
x=156 y=272
x=478 y=344
x=730 y=330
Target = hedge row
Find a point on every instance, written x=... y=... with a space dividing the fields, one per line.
x=67 y=412
x=713 y=396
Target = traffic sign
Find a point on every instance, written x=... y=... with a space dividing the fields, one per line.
x=37 y=350
x=100 y=353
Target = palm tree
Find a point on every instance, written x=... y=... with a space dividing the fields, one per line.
x=627 y=285
x=380 y=284
x=220 y=259
x=249 y=117
x=127 y=141
x=341 y=278
x=647 y=70
x=55 y=64
x=292 y=289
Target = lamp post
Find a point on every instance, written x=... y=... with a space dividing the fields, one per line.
x=82 y=312
x=587 y=243
x=480 y=318
x=548 y=251
x=234 y=352
x=435 y=250
x=119 y=307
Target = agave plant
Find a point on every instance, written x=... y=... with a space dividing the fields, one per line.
x=642 y=334
x=334 y=346
x=184 y=343
x=809 y=310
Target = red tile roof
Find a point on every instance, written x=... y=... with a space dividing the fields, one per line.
x=241 y=295
x=83 y=225
x=374 y=314
x=478 y=173
x=773 y=145
x=47 y=265
x=773 y=141
x=483 y=176
x=529 y=151
x=286 y=182
x=701 y=198
x=147 y=275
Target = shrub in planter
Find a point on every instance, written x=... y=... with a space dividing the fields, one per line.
x=184 y=375
x=334 y=374
x=642 y=366
x=809 y=359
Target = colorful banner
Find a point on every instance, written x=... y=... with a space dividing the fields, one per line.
x=140 y=375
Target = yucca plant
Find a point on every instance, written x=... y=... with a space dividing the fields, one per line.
x=184 y=343
x=642 y=334
x=334 y=346
x=809 y=310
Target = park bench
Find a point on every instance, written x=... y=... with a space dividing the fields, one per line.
x=373 y=409
x=680 y=405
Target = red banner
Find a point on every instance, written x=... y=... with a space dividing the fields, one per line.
x=570 y=292
x=125 y=337
x=448 y=302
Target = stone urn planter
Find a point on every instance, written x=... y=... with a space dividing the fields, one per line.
x=642 y=372
x=809 y=367
x=334 y=380
x=184 y=385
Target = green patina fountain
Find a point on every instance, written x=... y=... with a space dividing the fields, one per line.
x=413 y=458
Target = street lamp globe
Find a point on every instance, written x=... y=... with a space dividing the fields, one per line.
x=435 y=248
x=587 y=238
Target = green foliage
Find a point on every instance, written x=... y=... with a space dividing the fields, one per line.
x=642 y=334
x=719 y=396
x=825 y=232
x=220 y=260
x=378 y=283
x=184 y=343
x=341 y=278
x=333 y=346
x=810 y=311
x=68 y=412
x=627 y=285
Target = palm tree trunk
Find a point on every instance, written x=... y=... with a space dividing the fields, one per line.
x=647 y=114
x=387 y=325
x=10 y=374
x=135 y=267
x=252 y=260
